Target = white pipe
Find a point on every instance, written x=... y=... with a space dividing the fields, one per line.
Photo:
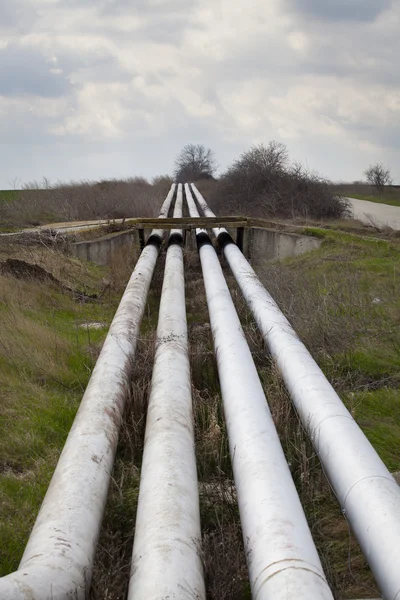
x=166 y=205
x=166 y=561
x=164 y=211
x=368 y=494
x=58 y=558
x=207 y=211
x=282 y=559
x=193 y=212
x=177 y=233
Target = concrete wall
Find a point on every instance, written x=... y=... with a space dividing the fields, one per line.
x=258 y=245
x=100 y=251
x=268 y=244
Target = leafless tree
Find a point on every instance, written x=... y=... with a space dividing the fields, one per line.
x=263 y=182
x=378 y=176
x=194 y=162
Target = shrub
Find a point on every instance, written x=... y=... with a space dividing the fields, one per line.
x=86 y=200
x=263 y=182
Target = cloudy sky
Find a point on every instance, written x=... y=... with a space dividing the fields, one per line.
x=109 y=88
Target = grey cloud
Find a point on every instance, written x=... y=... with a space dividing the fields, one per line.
x=163 y=21
x=342 y=10
x=25 y=71
x=385 y=136
x=16 y=15
x=114 y=7
x=361 y=55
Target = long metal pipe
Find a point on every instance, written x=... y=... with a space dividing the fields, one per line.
x=282 y=559
x=164 y=212
x=368 y=494
x=166 y=561
x=206 y=210
x=57 y=562
x=178 y=208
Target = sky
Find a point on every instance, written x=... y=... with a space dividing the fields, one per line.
x=96 y=89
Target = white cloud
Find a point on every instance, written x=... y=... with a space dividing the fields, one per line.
x=140 y=79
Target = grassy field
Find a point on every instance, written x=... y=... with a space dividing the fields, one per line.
x=385 y=199
x=390 y=196
x=47 y=352
x=8 y=195
x=344 y=301
x=338 y=285
x=82 y=201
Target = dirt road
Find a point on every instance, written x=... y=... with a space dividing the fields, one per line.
x=379 y=214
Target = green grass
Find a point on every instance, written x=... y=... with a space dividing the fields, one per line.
x=46 y=358
x=344 y=301
x=378 y=199
x=363 y=191
x=378 y=413
x=8 y=195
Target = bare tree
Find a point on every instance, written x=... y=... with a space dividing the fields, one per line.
x=194 y=162
x=262 y=181
x=378 y=176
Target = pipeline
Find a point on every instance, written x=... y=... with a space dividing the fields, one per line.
x=282 y=559
x=57 y=562
x=166 y=561
x=176 y=234
x=368 y=494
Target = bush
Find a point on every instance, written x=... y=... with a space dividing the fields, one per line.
x=43 y=203
x=263 y=182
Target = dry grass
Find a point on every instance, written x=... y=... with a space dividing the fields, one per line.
x=112 y=565
x=51 y=257
x=122 y=264
x=46 y=359
x=83 y=201
x=345 y=567
x=222 y=546
x=43 y=348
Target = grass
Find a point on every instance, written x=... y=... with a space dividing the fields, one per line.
x=222 y=545
x=384 y=199
x=344 y=301
x=8 y=195
x=367 y=192
x=81 y=201
x=46 y=358
x=378 y=413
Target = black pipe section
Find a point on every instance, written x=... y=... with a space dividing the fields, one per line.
x=203 y=239
x=224 y=239
x=154 y=240
x=175 y=238
x=141 y=239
